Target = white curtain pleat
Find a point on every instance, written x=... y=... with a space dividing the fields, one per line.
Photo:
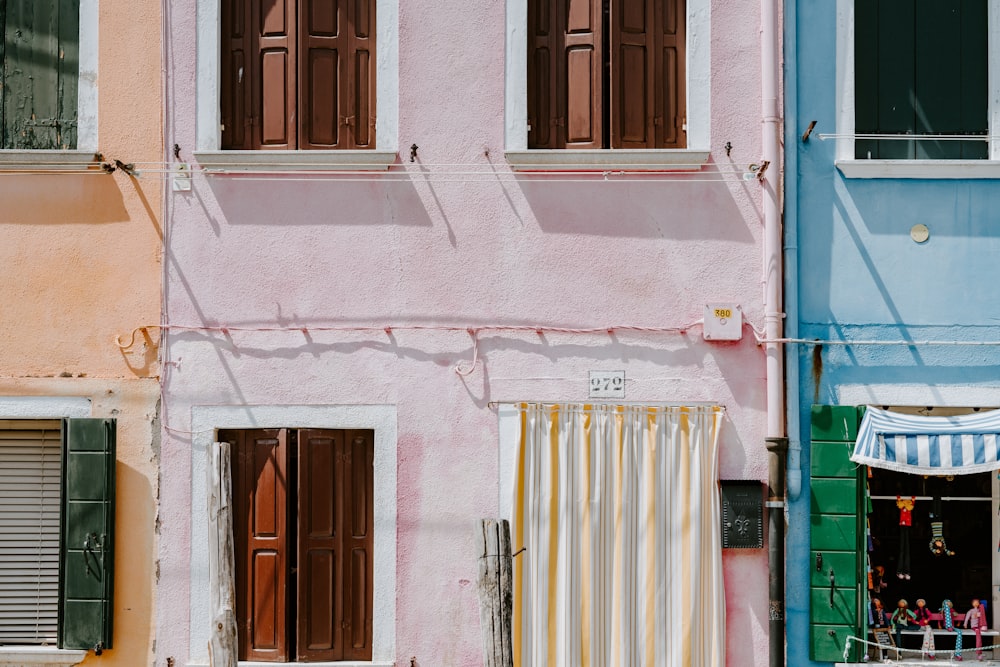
x=617 y=508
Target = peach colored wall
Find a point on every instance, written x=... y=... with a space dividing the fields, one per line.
x=80 y=263
x=425 y=249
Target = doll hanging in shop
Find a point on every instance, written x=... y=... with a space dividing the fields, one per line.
x=905 y=506
x=937 y=545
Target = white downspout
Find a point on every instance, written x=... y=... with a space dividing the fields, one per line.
x=777 y=442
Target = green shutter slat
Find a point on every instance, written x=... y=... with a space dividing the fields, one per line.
x=87 y=544
x=40 y=74
x=865 y=78
x=835 y=532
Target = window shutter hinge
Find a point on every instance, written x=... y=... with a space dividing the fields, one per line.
x=559 y=122
x=347 y=120
x=657 y=120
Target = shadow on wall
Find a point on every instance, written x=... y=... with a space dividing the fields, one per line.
x=680 y=207
x=62 y=199
x=314 y=200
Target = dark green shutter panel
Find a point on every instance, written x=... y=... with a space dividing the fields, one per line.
x=40 y=54
x=921 y=68
x=87 y=544
x=836 y=534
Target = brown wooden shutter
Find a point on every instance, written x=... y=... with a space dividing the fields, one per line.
x=237 y=71
x=542 y=93
x=336 y=519
x=273 y=88
x=648 y=74
x=583 y=86
x=670 y=75
x=359 y=543
x=565 y=74
x=320 y=602
x=260 y=493
x=337 y=74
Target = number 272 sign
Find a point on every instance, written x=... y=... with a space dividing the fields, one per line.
x=607 y=384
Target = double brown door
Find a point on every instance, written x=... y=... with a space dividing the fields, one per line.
x=303 y=521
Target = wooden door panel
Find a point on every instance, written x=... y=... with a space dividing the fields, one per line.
x=359 y=543
x=320 y=526
x=260 y=527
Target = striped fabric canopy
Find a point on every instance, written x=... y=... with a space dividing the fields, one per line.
x=959 y=445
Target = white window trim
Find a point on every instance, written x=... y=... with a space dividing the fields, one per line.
x=208 y=115
x=86 y=107
x=851 y=167
x=42 y=407
x=206 y=420
x=699 y=110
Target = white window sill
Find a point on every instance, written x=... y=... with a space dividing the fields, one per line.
x=926 y=169
x=679 y=159
x=33 y=656
x=235 y=162
x=348 y=663
x=48 y=160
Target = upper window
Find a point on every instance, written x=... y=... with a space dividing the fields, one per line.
x=303 y=531
x=56 y=532
x=606 y=74
x=921 y=69
x=298 y=74
x=40 y=56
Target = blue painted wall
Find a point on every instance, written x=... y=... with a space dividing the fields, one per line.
x=855 y=274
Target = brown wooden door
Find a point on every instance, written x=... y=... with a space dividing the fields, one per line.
x=358 y=544
x=237 y=70
x=336 y=517
x=260 y=494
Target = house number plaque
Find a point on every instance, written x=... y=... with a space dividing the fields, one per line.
x=607 y=384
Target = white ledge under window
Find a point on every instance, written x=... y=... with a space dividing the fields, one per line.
x=667 y=159
x=235 y=162
x=348 y=663
x=49 y=160
x=39 y=656
x=926 y=169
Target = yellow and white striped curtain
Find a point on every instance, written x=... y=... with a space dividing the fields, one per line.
x=617 y=508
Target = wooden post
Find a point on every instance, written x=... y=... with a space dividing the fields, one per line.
x=222 y=648
x=496 y=596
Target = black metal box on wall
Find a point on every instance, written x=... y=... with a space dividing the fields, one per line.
x=742 y=514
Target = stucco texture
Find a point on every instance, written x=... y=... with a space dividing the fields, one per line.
x=80 y=265
x=433 y=248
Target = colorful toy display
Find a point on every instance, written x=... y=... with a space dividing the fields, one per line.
x=923 y=616
x=905 y=506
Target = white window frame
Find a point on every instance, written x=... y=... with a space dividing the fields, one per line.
x=852 y=167
x=206 y=421
x=86 y=108
x=42 y=407
x=697 y=69
x=208 y=136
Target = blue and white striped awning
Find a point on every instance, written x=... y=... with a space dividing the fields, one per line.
x=959 y=445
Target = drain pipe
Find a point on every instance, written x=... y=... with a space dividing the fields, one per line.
x=777 y=442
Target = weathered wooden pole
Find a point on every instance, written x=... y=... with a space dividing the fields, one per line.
x=496 y=595
x=222 y=649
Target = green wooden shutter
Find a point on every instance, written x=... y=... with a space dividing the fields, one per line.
x=40 y=54
x=87 y=534
x=921 y=68
x=836 y=533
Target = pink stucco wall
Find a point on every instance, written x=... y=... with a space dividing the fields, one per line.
x=432 y=248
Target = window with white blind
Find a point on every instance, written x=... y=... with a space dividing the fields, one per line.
x=30 y=454
x=57 y=487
